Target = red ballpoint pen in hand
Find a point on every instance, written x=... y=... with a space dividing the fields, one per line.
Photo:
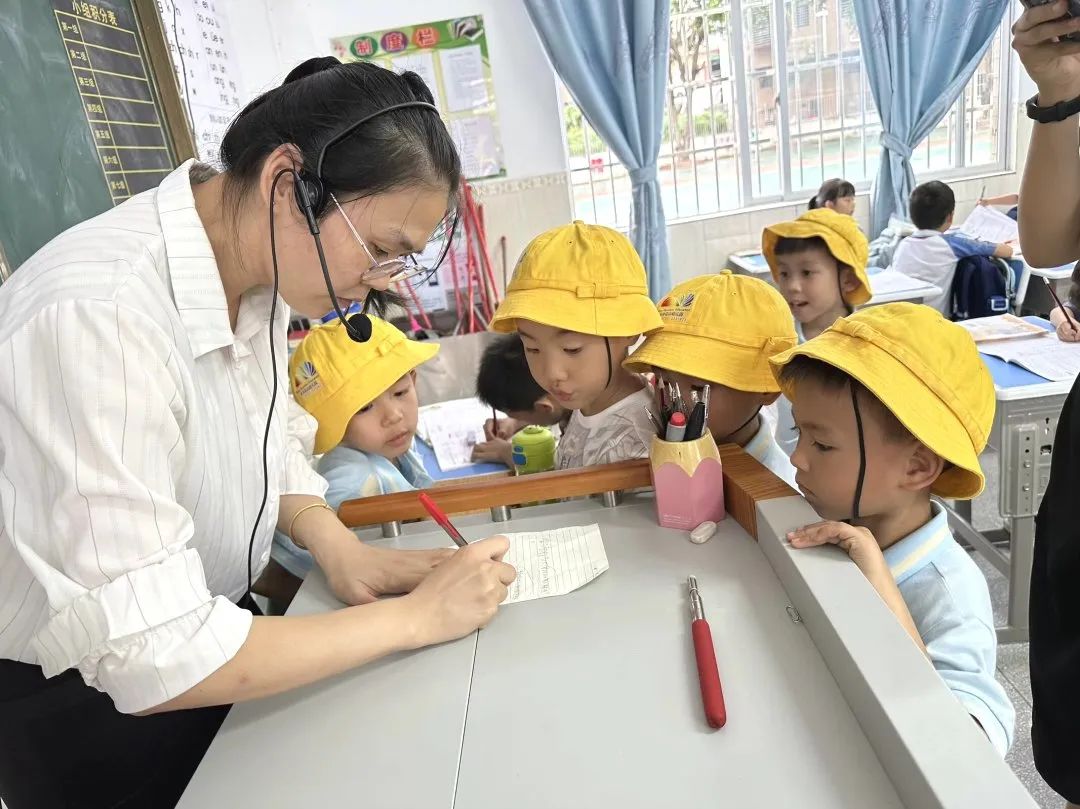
x=443 y=521
x=712 y=694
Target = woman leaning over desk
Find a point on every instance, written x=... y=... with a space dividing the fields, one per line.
x=137 y=369
x=1050 y=232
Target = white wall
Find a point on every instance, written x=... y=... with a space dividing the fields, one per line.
x=525 y=89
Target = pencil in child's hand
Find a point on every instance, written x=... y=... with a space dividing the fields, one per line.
x=1057 y=300
x=494 y=423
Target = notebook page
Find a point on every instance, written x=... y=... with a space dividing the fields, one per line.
x=1050 y=358
x=556 y=562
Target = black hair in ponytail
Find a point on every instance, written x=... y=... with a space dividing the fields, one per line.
x=319 y=98
x=831 y=191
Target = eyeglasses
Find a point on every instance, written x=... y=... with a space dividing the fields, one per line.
x=396 y=269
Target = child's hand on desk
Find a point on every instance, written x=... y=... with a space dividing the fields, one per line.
x=496 y=450
x=865 y=552
x=461 y=594
x=857 y=542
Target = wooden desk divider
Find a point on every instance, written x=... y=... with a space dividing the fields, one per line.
x=746 y=482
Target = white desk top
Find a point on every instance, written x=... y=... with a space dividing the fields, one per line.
x=591 y=700
x=888 y=286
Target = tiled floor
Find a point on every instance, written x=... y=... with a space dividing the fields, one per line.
x=1012 y=670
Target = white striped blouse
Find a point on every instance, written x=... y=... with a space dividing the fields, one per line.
x=131 y=425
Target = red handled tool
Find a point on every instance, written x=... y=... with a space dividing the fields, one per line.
x=712 y=693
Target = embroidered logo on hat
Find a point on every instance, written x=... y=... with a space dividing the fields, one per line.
x=307 y=379
x=676 y=307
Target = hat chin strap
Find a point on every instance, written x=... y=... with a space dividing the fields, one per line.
x=862 y=454
x=847 y=306
x=607 y=345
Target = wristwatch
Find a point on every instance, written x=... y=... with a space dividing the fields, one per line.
x=1055 y=112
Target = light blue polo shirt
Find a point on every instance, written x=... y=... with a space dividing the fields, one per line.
x=947 y=596
x=351 y=474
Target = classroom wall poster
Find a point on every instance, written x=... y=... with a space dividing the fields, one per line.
x=201 y=47
x=452 y=58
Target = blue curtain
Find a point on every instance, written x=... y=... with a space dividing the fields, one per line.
x=612 y=55
x=919 y=54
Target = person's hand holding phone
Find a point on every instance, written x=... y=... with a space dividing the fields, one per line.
x=1053 y=63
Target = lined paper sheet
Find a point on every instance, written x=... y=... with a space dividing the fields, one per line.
x=990 y=225
x=554 y=563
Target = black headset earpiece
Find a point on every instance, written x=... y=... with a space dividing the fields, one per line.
x=310 y=194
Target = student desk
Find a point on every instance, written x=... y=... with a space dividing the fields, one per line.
x=894 y=286
x=1025 y=423
x=592 y=700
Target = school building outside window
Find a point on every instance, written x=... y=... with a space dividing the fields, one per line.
x=739 y=131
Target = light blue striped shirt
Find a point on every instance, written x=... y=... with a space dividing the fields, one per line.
x=948 y=599
x=351 y=474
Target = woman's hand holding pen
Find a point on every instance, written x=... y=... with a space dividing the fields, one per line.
x=462 y=594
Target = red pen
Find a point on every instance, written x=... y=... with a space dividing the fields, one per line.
x=443 y=521
x=712 y=694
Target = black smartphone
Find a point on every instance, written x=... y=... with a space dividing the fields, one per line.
x=1073 y=10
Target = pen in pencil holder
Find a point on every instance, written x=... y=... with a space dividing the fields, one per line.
x=688 y=481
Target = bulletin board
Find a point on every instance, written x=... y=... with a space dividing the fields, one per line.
x=91 y=115
x=452 y=58
x=112 y=75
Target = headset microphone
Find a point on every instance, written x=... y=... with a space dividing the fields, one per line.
x=358 y=326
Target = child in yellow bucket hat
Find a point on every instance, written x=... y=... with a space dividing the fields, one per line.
x=721 y=330
x=579 y=299
x=363 y=397
x=894 y=405
x=818 y=262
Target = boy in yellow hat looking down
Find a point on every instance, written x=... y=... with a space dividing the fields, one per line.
x=893 y=405
x=818 y=262
x=579 y=299
x=721 y=330
x=363 y=396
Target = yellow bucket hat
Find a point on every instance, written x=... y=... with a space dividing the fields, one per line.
x=722 y=329
x=926 y=371
x=332 y=376
x=841 y=234
x=583 y=278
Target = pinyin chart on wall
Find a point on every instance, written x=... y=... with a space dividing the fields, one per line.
x=452 y=58
x=201 y=45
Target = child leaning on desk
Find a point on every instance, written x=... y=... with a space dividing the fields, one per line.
x=363 y=397
x=818 y=262
x=505 y=383
x=579 y=300
x=893 y=405
x=720 y=330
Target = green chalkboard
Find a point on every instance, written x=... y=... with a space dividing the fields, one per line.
x=81 y=120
